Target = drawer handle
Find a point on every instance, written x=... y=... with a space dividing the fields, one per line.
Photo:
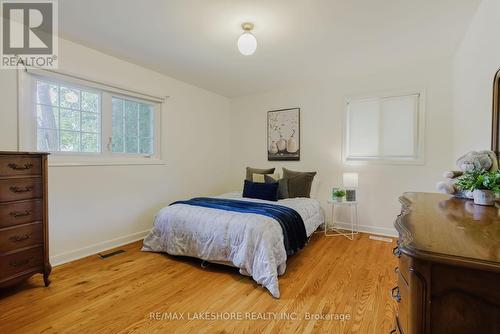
x=396 y=251
x=395 y=294
x=17 y=238
x=18 y=214
x=396 y=270
x=20 y=263
x=26 y=166
x=17 y=190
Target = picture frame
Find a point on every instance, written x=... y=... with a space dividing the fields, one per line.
x=283 y=135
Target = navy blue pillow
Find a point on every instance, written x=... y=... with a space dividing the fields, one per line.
x=265 y=191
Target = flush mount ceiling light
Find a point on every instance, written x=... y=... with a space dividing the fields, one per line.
x=247 y=43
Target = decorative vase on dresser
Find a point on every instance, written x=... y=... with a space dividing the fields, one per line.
x=449 y=266
x=24 y=242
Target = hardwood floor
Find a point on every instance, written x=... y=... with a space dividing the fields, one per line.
x=122 y=294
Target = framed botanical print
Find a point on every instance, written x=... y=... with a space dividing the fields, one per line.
x=283 y=134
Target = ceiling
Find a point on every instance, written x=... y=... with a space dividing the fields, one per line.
x=298 y=40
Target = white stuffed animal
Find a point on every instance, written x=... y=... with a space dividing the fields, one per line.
x=472 y=161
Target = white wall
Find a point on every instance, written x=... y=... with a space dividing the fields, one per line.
x=92 y=208
x=474 y=66
x=322 y=111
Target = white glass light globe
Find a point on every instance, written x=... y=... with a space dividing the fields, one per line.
x=247 y=44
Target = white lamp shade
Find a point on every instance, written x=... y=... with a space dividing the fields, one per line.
x=247 y=44
x=350 y=180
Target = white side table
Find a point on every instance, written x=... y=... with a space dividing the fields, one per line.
x=348 y=233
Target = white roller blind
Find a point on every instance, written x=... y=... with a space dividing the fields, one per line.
x=398 y=119
x=364 y=121
x=384 y=128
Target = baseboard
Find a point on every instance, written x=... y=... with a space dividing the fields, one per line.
x=76 y=254
x=384 y=231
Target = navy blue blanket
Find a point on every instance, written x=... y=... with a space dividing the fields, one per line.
x=294 y=230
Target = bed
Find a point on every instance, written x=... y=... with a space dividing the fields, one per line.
x=252 y=242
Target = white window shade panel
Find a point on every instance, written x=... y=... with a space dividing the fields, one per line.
x=388 y=128
x=363 y=131
x=398 y=126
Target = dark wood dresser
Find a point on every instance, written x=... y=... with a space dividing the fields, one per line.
x=24 y=243
x=449 y=266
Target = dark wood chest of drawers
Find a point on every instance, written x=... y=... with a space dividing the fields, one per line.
x=449 y=266
x=24 y=243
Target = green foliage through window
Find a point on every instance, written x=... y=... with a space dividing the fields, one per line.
x=77 y=119
x=132 y=127
x=68 y=119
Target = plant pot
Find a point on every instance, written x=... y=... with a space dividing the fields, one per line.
x=484 y=197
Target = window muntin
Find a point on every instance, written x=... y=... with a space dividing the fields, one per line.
x=132 y=127
x=68 y=118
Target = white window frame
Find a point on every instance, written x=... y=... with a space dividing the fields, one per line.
x=28 y=127
x=419 y=133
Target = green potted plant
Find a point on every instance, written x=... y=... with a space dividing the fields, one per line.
x=339 y=194
x=485 y=186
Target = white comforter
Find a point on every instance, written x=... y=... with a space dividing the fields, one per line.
x=251 y=242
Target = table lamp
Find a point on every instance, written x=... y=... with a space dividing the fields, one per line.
x=350 y=181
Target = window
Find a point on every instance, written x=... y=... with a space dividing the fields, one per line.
x=385 y=129
x=84 y=122
x=132 y=127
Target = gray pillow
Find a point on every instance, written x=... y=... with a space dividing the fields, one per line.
x=299 y=183
x=251 y=171
x=282 y=186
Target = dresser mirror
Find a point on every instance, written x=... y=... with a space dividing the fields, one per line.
x=495 y=127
